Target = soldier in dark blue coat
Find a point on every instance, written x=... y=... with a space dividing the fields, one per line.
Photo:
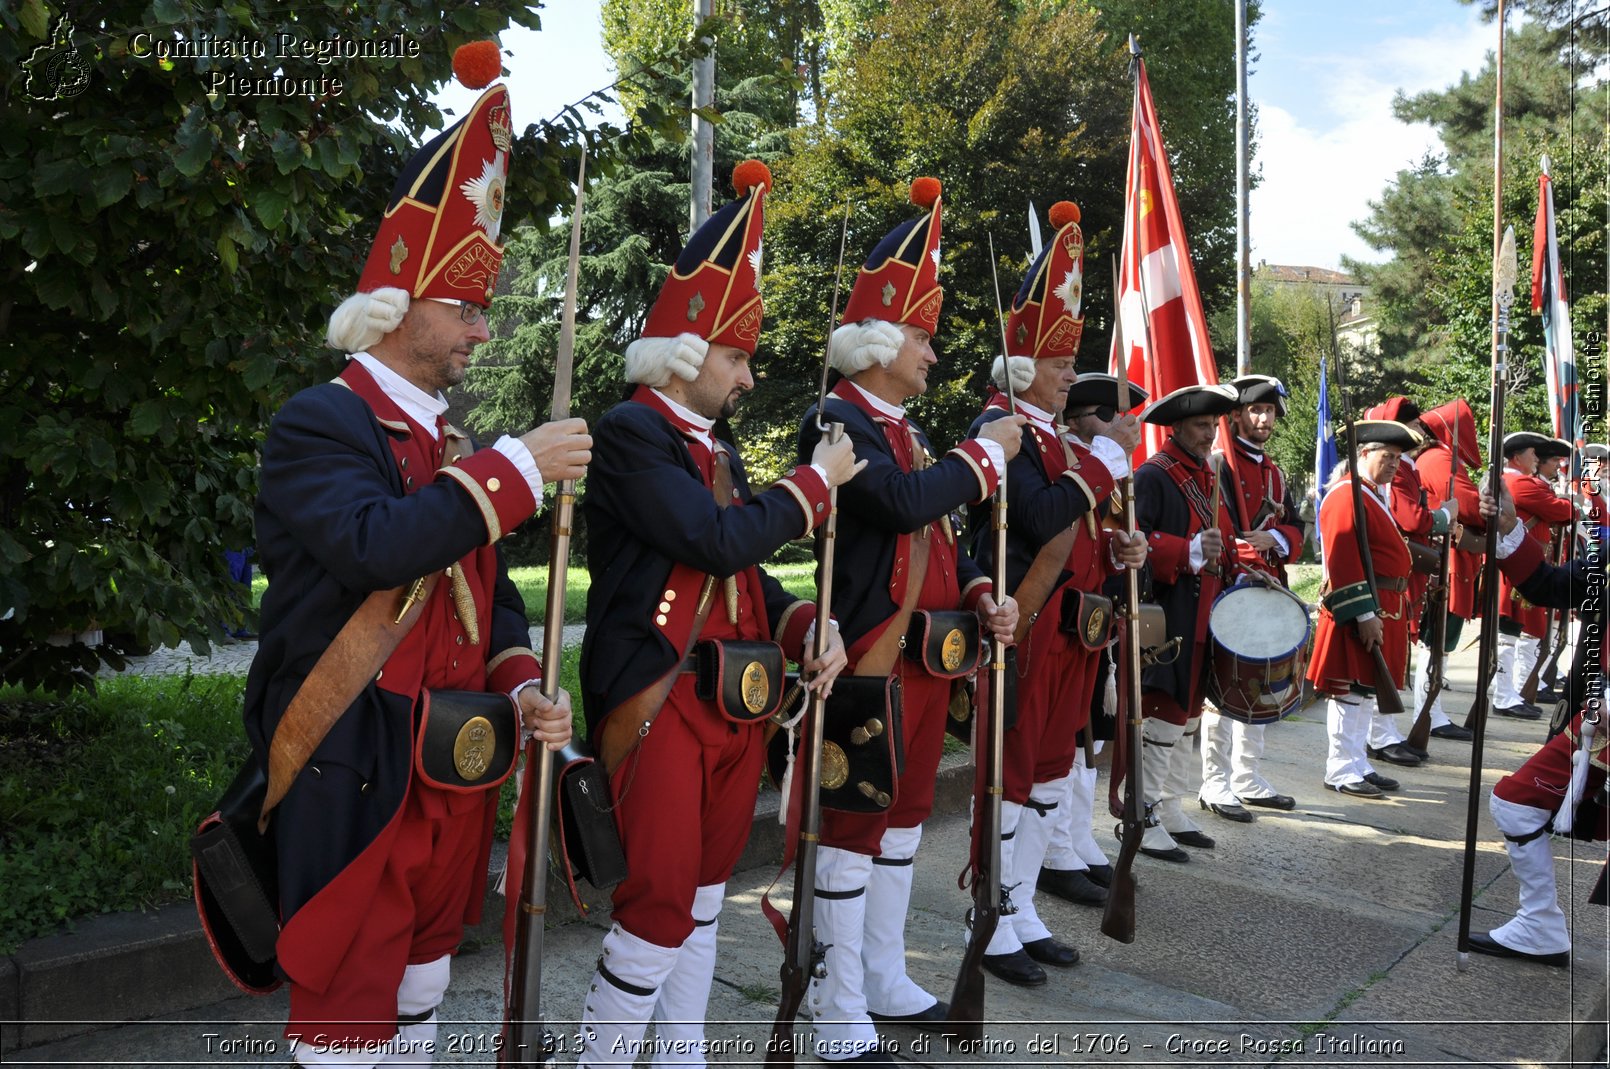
x=898 y=507
x=366 y=488
x=1190 y=565
x=675 y=543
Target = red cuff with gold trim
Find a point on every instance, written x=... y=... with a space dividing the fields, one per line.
x=499 y=491
x=791 y=628
x=512 y=667
x=810 y=492
x=1519 y=565
x=975 y=590
x=977 y=457
x=1170 y=556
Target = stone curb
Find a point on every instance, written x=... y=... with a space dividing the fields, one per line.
x=131 y=966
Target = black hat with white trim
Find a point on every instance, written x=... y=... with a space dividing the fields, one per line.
x=1102 y=391
x=1262 y=389
x=1521 y=441
x=1386 y=432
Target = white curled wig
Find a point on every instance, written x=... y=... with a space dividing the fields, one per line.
x=1022 y=373
x=364 y=318
x=854 y=347
x=652 y=361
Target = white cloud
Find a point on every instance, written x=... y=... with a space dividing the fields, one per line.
x=1327 y=153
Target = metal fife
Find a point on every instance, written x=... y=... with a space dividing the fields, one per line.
x=1504 y=273
x=529 y=1043
x=966 y=1015
x=1118 y=921
x=803 y=954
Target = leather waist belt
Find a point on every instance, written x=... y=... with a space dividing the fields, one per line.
x=1398 y=584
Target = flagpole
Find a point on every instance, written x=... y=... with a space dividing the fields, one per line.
x=704 y=134
x=1243 y=265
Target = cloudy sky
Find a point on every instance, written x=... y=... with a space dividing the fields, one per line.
x=1323 y=81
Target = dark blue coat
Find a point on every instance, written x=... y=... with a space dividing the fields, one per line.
x=883 y=503
x=653 y=529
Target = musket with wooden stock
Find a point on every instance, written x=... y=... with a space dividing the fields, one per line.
x=1437 y=649
x=1504 y=274
x=804 y=956
x=1386 y=688
x=1118 y=919
x=1548 y=650
x=528 y=1041
x=1505 y=271
x=966 y=1014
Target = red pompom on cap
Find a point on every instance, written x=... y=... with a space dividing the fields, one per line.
x=1064 y=212
x=478 y=64
x=749 y=174
x=924 y=191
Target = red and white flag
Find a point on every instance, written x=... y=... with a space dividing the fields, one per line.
x=1164 y=329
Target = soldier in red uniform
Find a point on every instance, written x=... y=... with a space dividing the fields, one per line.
x=1053 y=486
x=1521 y=624
x=1191 y=562
x=1450 y=425
x=1352 y=620
x=1269 y=536
x=365 y=488
x=1420 y=524
x=675 y=540
x=1076 y=868
x=1561 y=788
x=896 y=511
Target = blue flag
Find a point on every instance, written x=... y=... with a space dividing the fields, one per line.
x=1325 y=456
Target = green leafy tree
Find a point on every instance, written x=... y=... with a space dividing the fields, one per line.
x=172 y=236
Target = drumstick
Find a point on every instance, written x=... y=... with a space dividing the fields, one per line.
x=1216 y=465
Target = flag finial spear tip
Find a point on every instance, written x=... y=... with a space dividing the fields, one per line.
x=1134 y=45
x=1545 y=163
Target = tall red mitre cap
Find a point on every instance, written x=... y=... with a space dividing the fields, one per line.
x=714 y=288
x=900 y=280
x=439 y=236
x=1045 y=320
x=1440 y=421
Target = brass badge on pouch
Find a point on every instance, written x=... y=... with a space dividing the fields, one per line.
x=756 y=686
x=472 y=749
x=1096 y=627
x=950 y=653
x=835 y=766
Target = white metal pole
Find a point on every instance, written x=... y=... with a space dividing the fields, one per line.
x=1243 y=262
x=704 y=135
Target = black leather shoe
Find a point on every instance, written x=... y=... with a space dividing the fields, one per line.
x=1173 y=853
x=1397 y=754
x=1228 y=812
x=1100 y=875
x=1273 y=801
x=1385 y=783
x=934 y=1019
x=1546 y=698
x=1073 y=886
x=1192 y=838
x=1453 y=731
x=1015 y=968
x=1520 y=712
x=1484 y=943
x=1048 y=951
x=1357 y=790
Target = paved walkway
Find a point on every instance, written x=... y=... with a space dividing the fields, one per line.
x=1321 y=937
x=235 y=656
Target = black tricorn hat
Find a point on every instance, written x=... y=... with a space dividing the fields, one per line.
x=1262 y=389
x=1096 y=389
x=1520 y=441
x=1555 y=447
x=1188 y=401
x=1386 y=432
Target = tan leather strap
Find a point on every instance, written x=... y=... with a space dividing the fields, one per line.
x=628 y=723
x=348 y=663
x=355 y=656
x=880 y=659
x=1035 y=588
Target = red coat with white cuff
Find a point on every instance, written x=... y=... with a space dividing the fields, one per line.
x=1340 y=659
